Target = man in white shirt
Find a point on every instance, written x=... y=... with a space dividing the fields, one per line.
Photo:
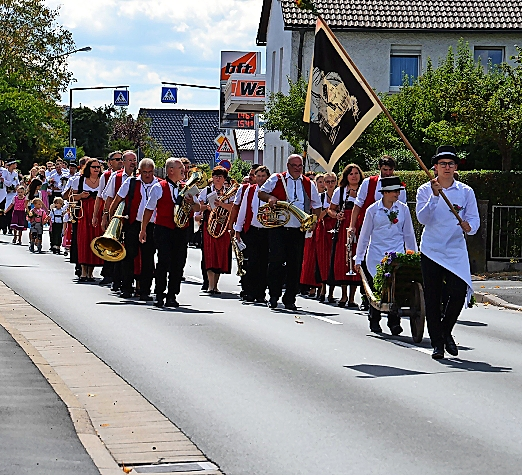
x=444 y=255
x=11 y=182
x=3 y=196
x=136 y=192
x=286 y=243
x=58 y=180
x=249 y=230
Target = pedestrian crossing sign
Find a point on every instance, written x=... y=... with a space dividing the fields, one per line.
x=225 y=146
x=121 y=98
x=69 y=153
x=169 y=95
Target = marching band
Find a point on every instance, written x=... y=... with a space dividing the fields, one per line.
x=289 y=232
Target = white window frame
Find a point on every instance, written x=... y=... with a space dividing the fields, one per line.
x=405 y=50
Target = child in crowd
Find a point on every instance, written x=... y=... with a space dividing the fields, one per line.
x=67 y=234
x=18 y=221
x=57 y=218
x=37 y=217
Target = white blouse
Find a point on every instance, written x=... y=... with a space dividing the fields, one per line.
x=379 y=235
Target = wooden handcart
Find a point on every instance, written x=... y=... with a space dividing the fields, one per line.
x=402 y=296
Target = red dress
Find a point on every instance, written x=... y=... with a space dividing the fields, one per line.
x=340 y=267
x=87 y=232
x=324 y=240
x=217 y=252
x=309 y=268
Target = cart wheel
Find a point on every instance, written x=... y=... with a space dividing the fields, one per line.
x=418 y=314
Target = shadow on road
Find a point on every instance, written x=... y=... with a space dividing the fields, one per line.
x=476 y=366
x=380 y=371
x=467 y=323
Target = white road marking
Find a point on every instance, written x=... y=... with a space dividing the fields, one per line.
x=413 y=347
x=324 y=319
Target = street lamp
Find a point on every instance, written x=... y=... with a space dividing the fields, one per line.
x=71 y=102
x=85 y=48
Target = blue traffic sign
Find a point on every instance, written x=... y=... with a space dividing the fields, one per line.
x=121 y=97
x=169 y=95
x=225 y=164
x=69 y=153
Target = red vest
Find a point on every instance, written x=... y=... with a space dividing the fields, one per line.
x=165 y=207
x=249 y=212
x=118 y=181
x=135 y=203
x=279 y=190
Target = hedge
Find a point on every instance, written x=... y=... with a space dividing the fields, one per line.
x=500 y=188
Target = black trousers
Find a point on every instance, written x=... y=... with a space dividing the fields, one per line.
x=256 y=257
x=172 y=256
x=442 y=311
x=56 y=235
x=3 y=219
x=286 y=247
x=132 y=247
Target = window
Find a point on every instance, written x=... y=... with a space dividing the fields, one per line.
x=272 y=80
x=280 y=69
x=404 y=60
x=282 y=168
x=495 y=55
x=275 y=159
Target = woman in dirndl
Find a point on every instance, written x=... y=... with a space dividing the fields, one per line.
x=85 y=189
x=217 y=252
x=341 y=210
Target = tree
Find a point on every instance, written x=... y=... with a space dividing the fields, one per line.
x=239 y=169
x=34 y=46
x=92 y=128
x=284 y=114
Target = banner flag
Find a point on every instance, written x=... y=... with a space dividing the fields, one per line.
x=339 y=105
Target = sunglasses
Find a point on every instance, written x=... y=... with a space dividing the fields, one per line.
x=95 y=166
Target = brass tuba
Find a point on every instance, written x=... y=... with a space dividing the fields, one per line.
x=218 y=219
x=109 y=247
x=280 y=214
x=240 y=258
x=75 y=208
x=182 y=212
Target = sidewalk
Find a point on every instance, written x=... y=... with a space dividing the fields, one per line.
x=504 y=291
x=64 y=411
x=37 y=435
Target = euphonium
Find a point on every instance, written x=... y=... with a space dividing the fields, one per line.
x=108 y=247
x=280 y=214
x=182 y=211
x=218 y=219
x=75 y=209
x=240 y=258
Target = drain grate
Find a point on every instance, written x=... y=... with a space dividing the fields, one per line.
x=175 y=467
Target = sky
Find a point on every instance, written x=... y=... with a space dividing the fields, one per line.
x=140 y=43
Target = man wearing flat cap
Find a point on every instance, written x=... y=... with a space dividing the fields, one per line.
x=444 y=256
x=10 y=181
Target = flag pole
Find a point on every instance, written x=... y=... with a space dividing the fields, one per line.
x=390 y=118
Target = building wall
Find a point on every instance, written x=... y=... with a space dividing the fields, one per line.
x=278 y=41
x=248 y=156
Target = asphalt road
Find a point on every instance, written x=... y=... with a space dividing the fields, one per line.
x=508 y=290
x=261 y=394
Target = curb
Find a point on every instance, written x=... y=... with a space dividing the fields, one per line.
x=484 y=297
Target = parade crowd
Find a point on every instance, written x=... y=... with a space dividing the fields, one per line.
x=353 y=222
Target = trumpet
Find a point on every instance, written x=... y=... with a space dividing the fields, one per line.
x=280 y=214
x=109 y=247
x=240 y=258
x=182 y=211
x=75 y=209
x=218 y=219
x=350 y=240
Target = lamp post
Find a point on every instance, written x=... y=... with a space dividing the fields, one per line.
x=71 y=103
x=67 y=53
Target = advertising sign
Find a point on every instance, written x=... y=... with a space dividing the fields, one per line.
x=236 y=62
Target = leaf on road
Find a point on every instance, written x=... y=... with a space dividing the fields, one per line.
x=482 y=286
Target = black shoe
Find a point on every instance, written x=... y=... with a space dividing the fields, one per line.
x=159 y=303
x=126 y=295
x=272 y=303
x=261 y=300
x=145 y=298
x=171 y=302
x=438 y=353
x=375 y=327
x=321 y=298
x=352 y=305
x=82 y=279
x=115 y=288
x=396 y=330
x=341 y=303
x=364 y=307
x=105 y=281
x=451 y=346
x=290 y=306
x=204 y=287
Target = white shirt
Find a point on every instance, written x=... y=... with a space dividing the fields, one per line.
x=110 y=189
x=295 y=195
x=69 y=182
x=102 y=187
x=240 y=193
x=241 y=217
x=442 y=239
x=10 y=179
x=202 y=197
x=75 y=183
x=48 y=174
x=379 y=235
x=3 y=191
x=363 y=193
x=58 y=215
x=145 y=191
x=59 y=180
x=336 y=197
x=156 y=192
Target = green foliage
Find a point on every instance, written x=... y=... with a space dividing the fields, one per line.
x=390 y=261
x=284 y=114
x=91 y=129
x=239 y=169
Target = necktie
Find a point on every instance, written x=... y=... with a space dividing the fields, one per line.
x=295 y=190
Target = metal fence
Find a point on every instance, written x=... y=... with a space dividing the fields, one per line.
x=506 y=232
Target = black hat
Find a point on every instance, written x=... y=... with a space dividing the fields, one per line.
x=391 y=183
x=445 y=151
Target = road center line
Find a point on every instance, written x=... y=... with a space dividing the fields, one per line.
x=324 y=319
x=413 y=347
